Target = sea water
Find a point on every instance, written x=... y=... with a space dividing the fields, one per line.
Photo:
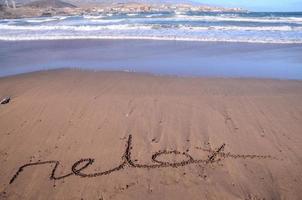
x=254 y=27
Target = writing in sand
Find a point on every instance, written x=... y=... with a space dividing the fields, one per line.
x=127 y=162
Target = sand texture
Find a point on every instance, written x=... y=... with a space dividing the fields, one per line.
x=71 y=134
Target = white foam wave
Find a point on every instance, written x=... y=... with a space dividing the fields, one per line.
x=93 y=16
x=187 y=18
x=297 y=20
x=132 y=14
x=42 y=20
x=154 y=15
x=34 y=20
x=243 y=28
x=176 y=17
x=76 y=28
x=88 y=37
x=146 y=27
x=105 y=21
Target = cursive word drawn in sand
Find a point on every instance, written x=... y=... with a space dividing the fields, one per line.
x=127 y=162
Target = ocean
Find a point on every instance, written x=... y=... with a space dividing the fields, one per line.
x=252 y=27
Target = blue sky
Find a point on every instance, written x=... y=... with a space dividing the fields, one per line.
x=259 y=5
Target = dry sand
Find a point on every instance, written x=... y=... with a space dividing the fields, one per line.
x=64 y=116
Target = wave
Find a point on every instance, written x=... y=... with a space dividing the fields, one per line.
x=43 y=19
x=40 y=20
x=154 y=15
x=77 y=28
x=297 y=20
x=147 y=27
x=34 y=20
x=188 y=19
x=106 y=21
x=95 y=37
x=243 y=28
x=132 y=14
x=93 y=16
x=157 y=17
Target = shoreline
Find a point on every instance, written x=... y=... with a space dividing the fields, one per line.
x=179 y=58
x=79 y=69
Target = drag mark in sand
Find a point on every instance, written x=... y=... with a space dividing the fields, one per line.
x=126 y=161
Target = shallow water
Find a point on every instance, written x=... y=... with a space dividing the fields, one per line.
x=210 y=59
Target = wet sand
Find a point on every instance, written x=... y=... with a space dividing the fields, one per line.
x=180 y=58
x=115 y=135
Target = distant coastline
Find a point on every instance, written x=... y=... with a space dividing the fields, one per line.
x=56 y=7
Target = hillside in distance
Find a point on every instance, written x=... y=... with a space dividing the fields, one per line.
x=50 y=4
x=85 y=2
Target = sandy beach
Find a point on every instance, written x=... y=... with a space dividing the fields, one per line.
x=76 y=134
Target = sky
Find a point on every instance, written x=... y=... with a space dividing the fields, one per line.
x=259 y=5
